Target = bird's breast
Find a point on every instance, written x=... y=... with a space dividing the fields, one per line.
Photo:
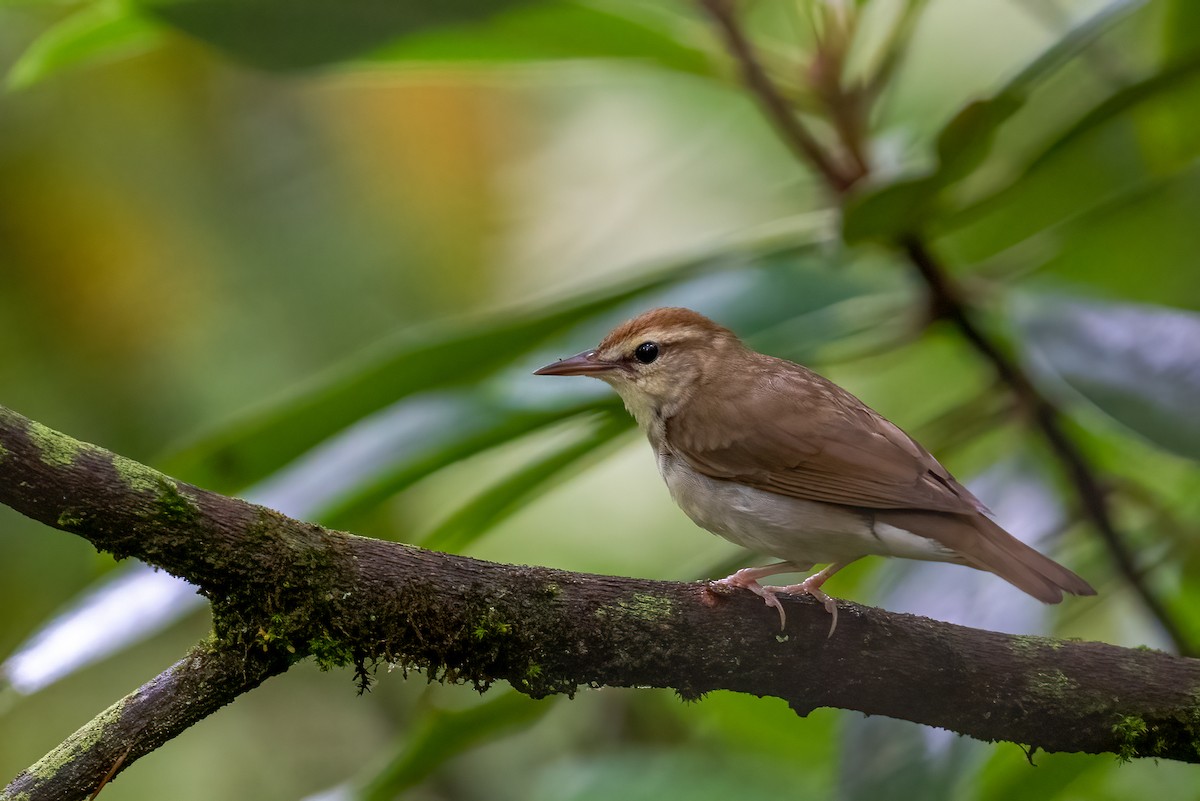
x=789 y=528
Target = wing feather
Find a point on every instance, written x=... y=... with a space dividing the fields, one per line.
x=797 y=434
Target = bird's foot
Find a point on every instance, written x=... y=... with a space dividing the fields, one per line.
x=811 y=586
x=747 y=579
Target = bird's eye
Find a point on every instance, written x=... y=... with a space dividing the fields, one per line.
x=646 y=352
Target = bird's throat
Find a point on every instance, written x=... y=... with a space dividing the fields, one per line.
x=649 y=414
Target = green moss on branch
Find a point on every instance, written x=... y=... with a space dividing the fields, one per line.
x=55 y=449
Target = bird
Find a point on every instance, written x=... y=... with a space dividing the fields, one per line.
x=780 y=460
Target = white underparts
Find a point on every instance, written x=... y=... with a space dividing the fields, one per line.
x=795 y=530
x=901 y=542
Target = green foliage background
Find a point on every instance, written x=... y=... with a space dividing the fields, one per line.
x=311 y=250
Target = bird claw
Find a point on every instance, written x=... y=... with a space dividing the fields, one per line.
x=771 y=600
x=745 y=582
x=813 y=588
x=747 y=578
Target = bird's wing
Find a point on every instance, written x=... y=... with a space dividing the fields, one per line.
x=812 y=440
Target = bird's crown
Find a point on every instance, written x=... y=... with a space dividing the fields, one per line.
x=671 y=323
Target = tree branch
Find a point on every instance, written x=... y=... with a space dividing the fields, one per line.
x=947 y=301
x=791 y=130
x=282 y=590
x=209 y=677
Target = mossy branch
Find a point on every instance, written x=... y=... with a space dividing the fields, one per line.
x=209 y=677
x=282 y=590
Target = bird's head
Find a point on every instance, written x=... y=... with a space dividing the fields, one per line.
x=656 y=361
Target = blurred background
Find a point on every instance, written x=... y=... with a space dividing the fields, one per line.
x=308 y=251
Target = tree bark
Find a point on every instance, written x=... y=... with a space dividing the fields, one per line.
x=283 y=590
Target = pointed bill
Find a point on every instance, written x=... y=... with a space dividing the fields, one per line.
x=586 y=363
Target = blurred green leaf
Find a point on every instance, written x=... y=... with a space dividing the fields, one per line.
x=963 y=144
x=444 y=734
x=449 y=356
x=456 y=355
x=1007 y=778
x=295 y=34
x=488 y=424
x=1177 y=124
x=1071 y=44
x=1087 y=216
x=550 y=31
x=655 y=772
x=893 y=51
x=1127 y=99
x=1138 y=364
x=499 y=501
x=1092 y=162
x=906 y=763
x=1180 y=26
x=965 y=141
x=103 y=30
x=1133 y=245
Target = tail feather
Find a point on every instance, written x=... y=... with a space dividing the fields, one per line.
x=985 y=545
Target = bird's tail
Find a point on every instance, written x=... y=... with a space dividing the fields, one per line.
x=985 y=545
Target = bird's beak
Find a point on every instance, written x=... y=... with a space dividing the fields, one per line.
x=586 y=363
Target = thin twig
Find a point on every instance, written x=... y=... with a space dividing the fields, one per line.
x=948 y=303
x=791 y=129
x=111 y=772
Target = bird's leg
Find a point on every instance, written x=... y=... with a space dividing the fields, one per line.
x=812 y=586
x=747 y=578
